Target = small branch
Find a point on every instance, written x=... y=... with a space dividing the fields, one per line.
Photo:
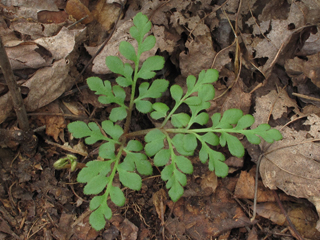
x=298 y=236
x=30 y=141
x=13 y=89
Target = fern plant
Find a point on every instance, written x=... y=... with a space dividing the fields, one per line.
x=127 y=157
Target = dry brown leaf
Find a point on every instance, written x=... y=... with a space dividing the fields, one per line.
x=278 y=35
x=80 y=148
x=78 y=10
x=303 y=218
x=128 y=230
x=75 y=108
x=8 y=36
x=35 y=30
x=84 y=231
x=52 y=17
x=166 y=40
x=237 y=98
x=209 y=181
x=312 y=45
x=299 y=68
x=221 y=60
x=47 y=84
x=158 y=199
x=199 y=56
x=29 y=9
x=28 y=55
x=200 y=52
x=63 y=229
x=5 y=107
x=277 y=104
x=234 y=164
x=293 y=164
x=63 y=43
x=88 y=96
x=202 y=184
x=301 y=71
x=246 y=186
x=253 y=235
x=106 y=14
x=54 y=124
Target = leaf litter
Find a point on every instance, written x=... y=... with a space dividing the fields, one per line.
x=278 y=58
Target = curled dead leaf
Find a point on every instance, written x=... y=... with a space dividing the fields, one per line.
x=106 y=14
x=293 y=164
x=78 y=10
x=52 y=16
x=303 y=218
x=158 y=200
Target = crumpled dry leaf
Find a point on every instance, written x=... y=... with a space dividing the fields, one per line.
x=48 y=83
x=54 y=124
x=78 y=10
x=303 y=218
x=305 y=75
x=35 y=29
x=128 y=230
x=29 y=9
x=278 y=103
x=237 y=98
x=267 y=48
x=246 y=186
x=203 y=183
x=200 y=55
x=200 y=52
x=75 y=108
x=62 y=44
x=298 y=68
x=28 y=55
x=52 y=17
x=63 y=229
x=106 y=14
x=292 y=164
x=5 y=107
x=45 y=86
x=166 y=40
x=158 y=200
x=84 y=231
x=312 y=45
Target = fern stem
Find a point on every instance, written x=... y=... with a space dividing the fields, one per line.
x=173 y=111
x=204 y=130
x=133 y=91
x=139 y=133
x=114 y=170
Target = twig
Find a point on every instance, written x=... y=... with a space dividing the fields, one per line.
x=13 y=89
x=30 y=142
x=75 y=23
x=256 y=190
x=306 y=97
x=68 y=149
x=298 y=236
